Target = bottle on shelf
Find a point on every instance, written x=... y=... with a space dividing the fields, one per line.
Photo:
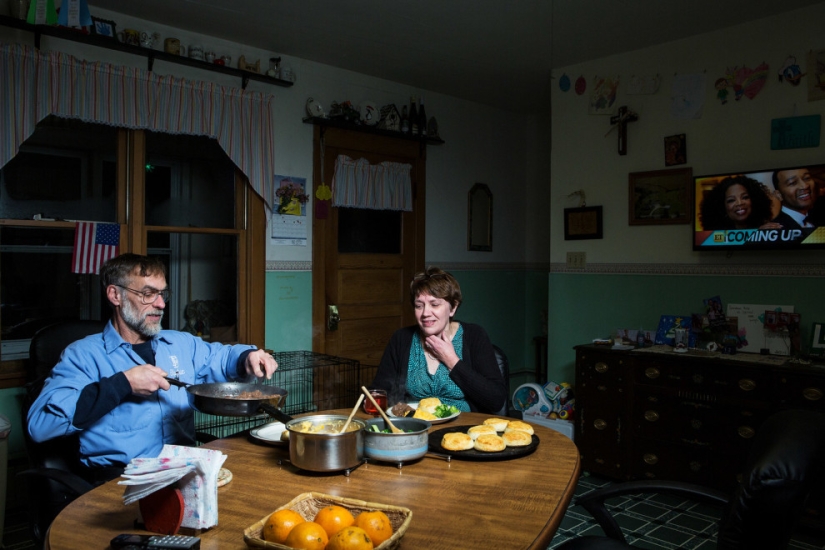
x=405 y=121
x=422 y=118
x=413 y=116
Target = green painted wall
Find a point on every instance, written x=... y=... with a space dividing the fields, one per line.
x=584 y=307
x=509 y=305
x=288 y=310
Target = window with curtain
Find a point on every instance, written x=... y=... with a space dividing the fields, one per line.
x=67 y=171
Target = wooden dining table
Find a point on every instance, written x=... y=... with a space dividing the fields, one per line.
x=515 y=503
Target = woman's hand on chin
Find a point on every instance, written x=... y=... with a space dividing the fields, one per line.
x=441 y=347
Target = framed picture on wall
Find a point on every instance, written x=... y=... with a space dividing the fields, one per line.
x=660 y=197
x=583 y=223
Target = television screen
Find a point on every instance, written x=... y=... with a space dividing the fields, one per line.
x=773 y=209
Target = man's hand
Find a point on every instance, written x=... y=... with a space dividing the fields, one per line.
x=146 y=379
x=261 y=364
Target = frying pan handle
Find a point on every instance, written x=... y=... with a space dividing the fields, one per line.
x=177 y=383
x=275 y=412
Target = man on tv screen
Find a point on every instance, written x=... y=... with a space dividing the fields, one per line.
x=797 y=191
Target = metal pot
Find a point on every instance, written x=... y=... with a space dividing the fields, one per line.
x=224 y=399
x=390 y=447
x=325 y=452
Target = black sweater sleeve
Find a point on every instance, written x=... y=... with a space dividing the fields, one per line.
x=98 y=398
x=478 y=374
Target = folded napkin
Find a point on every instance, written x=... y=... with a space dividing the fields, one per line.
x=193 y=470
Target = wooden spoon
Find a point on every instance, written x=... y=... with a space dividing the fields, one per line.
x=354 y=410
x=380 y=410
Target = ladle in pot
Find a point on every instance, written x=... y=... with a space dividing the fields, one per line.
x=380 y=410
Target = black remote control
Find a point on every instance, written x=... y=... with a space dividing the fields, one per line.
x=160 y=542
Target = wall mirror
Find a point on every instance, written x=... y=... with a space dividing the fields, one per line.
x=480 y=219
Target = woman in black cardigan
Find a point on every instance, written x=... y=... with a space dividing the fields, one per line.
x=440 y=357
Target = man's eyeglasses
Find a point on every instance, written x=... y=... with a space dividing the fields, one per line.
x=149 y=296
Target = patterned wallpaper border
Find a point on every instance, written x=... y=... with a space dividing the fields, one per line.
x=778 y=270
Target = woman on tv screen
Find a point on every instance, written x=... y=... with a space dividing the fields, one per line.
x=737 y=202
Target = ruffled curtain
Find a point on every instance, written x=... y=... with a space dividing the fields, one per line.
x=35 y=84
x=359 y=184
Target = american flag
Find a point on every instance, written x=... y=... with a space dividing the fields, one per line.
x=94 y=243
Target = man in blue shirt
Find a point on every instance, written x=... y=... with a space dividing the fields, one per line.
x=110 y=388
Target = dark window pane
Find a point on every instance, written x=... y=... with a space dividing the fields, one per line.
x=369 y=231
x=190 y=182
x=203 y=277
x=38 y=286
x=65 y=170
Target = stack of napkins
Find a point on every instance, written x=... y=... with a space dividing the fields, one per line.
x=194 y=470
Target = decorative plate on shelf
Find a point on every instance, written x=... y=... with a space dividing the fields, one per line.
x=370 y=114
x=314 y=108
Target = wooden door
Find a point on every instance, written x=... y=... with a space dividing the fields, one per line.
x=369 y=288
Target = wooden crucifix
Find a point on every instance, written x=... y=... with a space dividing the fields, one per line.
x=621 y=120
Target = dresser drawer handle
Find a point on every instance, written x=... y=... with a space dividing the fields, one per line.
x=746 y=384
x=652 y=372
x=599 y=424
x=651 y=416
x=812 y=394
x=650 y=458
x=601 y=367
x=746 y=432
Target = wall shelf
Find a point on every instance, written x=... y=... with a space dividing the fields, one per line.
x=340 y=123
x=150 y=54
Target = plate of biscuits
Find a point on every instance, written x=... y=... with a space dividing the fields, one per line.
x=423 y=410
x=495 y=439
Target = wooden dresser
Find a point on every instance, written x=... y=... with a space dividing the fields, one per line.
x=656 y=414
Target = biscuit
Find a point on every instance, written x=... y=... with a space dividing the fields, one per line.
x=499 y=424
x=518 y=425
x=489 y=443
x=424 y=415
x=429 y=404
x=457 y=441
x=517 y=438
x=476 y=431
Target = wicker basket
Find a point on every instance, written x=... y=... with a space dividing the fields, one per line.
x=308 y=504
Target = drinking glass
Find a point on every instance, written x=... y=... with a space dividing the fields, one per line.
x=380 y=397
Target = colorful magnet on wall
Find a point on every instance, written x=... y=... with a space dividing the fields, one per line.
x=564 y=83
x=581 y=85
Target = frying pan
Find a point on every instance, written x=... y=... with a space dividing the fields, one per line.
x=226 y=399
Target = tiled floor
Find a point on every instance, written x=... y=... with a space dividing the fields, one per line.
x=657 y=522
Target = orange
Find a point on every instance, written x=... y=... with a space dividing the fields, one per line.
x=376 y=524
x=333 y=518
x=279 y=524
x=350 y=538
x=307 y=536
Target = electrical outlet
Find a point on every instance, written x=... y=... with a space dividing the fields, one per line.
x=576 y=260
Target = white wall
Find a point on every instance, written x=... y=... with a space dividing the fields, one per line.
x=482 y=144
x=730 y=137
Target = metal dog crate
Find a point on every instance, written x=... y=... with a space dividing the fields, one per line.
x=313 y=382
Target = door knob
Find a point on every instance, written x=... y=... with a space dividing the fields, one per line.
x=332 y=317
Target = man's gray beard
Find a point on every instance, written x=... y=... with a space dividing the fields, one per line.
x=133 y=320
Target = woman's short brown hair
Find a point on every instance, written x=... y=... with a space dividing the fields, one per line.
x=437 y=283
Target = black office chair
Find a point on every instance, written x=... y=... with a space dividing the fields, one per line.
x=53 y=479
x=504 y=366
x=783 y=465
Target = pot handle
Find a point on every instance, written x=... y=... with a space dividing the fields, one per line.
x=275 y=412
x=177 y=383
